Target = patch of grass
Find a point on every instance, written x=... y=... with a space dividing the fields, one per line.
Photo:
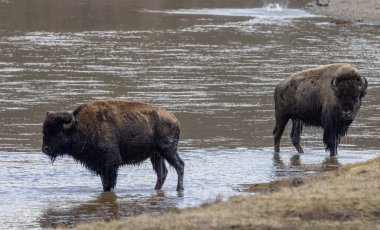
x=344 y=199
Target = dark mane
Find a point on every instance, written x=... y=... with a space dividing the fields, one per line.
x=351 y=77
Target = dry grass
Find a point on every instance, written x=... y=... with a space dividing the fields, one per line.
x=274 y=186
x=348 y=198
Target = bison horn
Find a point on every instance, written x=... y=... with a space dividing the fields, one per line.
x=70 y=123
x=364 y=82
x=333 y=84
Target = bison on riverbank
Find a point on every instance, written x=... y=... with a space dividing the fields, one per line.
x=106 y=134
x=328 y=96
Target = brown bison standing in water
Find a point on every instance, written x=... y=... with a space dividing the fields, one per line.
x=328 y=96
x=106 y=134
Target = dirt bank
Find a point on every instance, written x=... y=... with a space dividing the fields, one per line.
x=356 y=10
x=344 y=199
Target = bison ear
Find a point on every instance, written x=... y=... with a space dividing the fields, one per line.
x=333 y=84
x=68 y=121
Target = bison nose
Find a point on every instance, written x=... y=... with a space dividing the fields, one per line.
x=45 y=149
x=348 y=115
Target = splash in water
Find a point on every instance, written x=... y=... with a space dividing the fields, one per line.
x=269 y=11
x=274 y=7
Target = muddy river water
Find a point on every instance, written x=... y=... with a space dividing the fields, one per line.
x=213 y=63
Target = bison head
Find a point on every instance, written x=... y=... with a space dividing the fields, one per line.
x=57 y=133
x=349 y=90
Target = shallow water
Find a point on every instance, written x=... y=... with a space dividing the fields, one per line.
x=214 y=65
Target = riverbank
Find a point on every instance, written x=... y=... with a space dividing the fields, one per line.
x=347 y=10
x=347 y=198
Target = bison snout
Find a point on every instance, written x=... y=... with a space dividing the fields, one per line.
x=348 y=115
x=46 y=149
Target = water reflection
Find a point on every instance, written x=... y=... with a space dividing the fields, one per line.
x=107 y=206
x=295 y=160
x=331 y=163
x=279 y=163
x=295 y=166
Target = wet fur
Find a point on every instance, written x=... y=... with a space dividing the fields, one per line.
x=307 y=98
x=111 y=133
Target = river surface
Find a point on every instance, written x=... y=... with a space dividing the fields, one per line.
x=213 y=63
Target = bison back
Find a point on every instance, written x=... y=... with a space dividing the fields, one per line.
x=133 y=129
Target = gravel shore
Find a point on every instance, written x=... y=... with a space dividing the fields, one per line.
x=356 y=10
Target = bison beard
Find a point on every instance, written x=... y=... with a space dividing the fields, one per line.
x=107 y=134
x=328 y=97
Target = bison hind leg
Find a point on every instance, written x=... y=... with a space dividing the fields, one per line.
x=171 y=155
x=295 y=134
x=160 y=168
x=278 y=131
x=174 y=160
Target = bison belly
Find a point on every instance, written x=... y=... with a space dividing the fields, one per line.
x=137 y=148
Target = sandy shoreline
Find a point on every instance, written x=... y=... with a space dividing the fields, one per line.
x=355 y=10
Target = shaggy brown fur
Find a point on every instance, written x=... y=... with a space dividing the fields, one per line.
x=328 y=96
x=106 y=134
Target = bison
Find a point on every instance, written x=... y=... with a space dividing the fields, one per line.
x=106 y=134
x=328 y=96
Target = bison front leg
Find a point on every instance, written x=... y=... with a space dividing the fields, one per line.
x=331 y=141
x=109 y=177
x=160 y=168
x=109 y=172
